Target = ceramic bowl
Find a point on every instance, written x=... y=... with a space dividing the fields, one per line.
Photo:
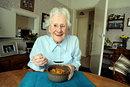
x=58 y=77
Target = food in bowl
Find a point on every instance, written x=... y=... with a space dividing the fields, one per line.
x=58 y=71
x=56 y=77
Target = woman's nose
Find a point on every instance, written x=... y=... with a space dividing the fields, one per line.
x=59 y=29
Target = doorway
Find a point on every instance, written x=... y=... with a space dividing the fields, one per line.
x=85 y=23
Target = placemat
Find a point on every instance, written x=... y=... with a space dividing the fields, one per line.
x=40 y=79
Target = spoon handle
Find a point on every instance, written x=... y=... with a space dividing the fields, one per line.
x=56 y=61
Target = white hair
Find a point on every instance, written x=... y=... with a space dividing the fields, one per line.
x=60 y=11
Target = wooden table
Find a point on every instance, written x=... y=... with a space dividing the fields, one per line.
x=13 y=79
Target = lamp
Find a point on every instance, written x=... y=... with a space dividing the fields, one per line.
x=81 y=14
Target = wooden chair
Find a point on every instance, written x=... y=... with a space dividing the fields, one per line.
x=116 y=75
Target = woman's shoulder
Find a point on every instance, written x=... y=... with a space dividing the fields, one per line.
x=73 y=40
x=72 y=37
x=43 y=37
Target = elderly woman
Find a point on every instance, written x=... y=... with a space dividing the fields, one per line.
x=58 y=46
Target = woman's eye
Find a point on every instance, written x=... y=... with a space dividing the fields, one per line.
x=55 y=25
x=62 y=26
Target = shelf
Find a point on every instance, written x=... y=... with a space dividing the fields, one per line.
x=115 y=28
x=115 y=20
x=117 y=23
x=107 y=55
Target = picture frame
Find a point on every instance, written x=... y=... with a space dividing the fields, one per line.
x=44 y=17
x=118 y=45
x=8 y=48
x=128 y=22
x=27 y=5
x=114 y=45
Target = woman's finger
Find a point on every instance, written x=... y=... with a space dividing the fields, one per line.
x=71 y=71
x=36 y=57
x=45 y=61
x=70 y=75
x=41 y=62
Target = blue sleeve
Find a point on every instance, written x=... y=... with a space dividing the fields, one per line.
x=35 y=51
x=76 y=55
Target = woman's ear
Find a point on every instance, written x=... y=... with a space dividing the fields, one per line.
x=49 y=29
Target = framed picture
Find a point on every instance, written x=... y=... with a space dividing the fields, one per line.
x=117 y=45
x=27 y=5
x=8 y=48
x=128 y=22
x=44 y=17
x=114 y=46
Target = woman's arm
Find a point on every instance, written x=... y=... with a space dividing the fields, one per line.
x=76 y=55
x=37 y=61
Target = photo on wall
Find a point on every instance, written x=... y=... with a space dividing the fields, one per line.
x=27 y=5
x=44 y=17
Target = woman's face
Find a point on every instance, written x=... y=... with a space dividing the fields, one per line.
x=58 y=28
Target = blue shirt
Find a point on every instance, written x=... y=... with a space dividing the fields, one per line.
x=67 y=51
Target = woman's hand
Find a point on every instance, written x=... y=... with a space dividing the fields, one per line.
x=72 y=68
x=39 y=60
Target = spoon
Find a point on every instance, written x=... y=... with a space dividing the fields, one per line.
x=56 y=61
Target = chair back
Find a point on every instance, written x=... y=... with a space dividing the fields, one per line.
x=118 y=52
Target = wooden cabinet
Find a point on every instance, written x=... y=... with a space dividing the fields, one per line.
x=109 y=52
x=118 y=52
x=4 y=66
x=7 y=23
x=14 y=62
x=115 y=23
x=107 y=55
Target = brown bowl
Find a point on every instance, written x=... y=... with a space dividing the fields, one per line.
x=58 y=77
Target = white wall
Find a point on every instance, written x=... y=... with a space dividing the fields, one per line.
x=118 y=4
x=31 y=23
x=115 y=34
x=86 y=4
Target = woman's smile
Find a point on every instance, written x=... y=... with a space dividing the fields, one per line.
x=58 y=35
